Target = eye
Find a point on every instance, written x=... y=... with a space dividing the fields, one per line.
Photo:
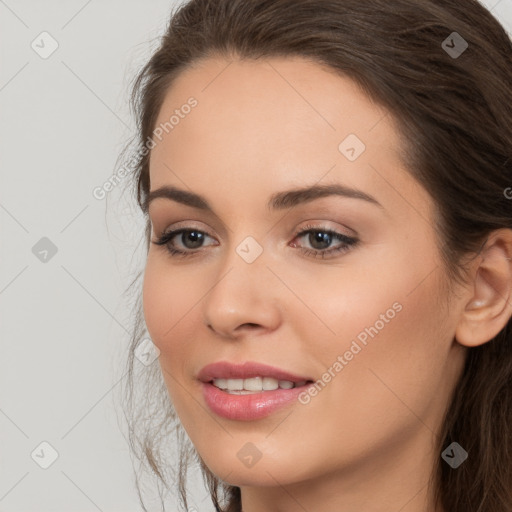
x=190 y=239
x=321 y=238
x=318 y=237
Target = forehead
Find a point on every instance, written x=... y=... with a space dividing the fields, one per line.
x=295 y=98
x=264 y=125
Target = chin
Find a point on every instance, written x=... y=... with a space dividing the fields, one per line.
x=260 y=476
x=265 y=472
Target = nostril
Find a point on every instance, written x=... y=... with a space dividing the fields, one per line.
x=250 y=325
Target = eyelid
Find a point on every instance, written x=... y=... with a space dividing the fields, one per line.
x=185 y=224
x=346 y=240
x=323 y=225
x=204 y=223
x=177 y=230
x=310 y=225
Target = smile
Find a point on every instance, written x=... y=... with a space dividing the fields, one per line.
x=254 y=385
x=249 y=391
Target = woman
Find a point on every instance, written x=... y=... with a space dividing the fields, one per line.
x=326 y=185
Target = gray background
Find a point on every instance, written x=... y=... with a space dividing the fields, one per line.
x=63 y=323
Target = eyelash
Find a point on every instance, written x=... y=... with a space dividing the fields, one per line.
x=348 y=242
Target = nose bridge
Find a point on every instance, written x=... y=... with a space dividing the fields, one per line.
x=247 y=254
x=241 y=293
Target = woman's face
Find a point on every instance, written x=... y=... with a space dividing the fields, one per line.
x=368 y=323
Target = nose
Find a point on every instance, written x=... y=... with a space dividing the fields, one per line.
x=243 y=298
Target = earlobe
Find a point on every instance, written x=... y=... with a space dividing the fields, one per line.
x=490 y=305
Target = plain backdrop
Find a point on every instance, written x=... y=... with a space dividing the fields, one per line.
x=65 y=256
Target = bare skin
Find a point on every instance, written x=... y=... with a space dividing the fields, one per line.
x=367 y=440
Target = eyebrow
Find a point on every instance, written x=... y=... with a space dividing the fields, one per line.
x=278 y=201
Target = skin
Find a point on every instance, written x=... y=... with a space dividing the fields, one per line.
x=367 y=441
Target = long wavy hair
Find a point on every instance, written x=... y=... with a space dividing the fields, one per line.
x=453 y=113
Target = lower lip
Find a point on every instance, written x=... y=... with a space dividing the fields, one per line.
x=248 y=407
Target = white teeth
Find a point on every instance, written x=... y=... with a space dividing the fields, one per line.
x=254 y=384
x=235 y=384
x=269 y=384
x=221 y=383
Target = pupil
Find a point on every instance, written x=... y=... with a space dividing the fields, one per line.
x=320 y=237
x=195 y=237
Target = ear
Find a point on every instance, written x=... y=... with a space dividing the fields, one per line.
x=489 y=307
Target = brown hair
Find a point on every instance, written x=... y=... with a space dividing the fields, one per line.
x=453 y=114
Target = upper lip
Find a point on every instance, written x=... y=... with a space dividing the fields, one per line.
x=227 y=370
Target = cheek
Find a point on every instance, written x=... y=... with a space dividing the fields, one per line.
x=333 y=306
x=169 y=296
x=393 y=352
x=389 y=306
x=390 y=333
x=168 y=299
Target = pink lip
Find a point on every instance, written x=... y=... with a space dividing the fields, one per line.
x=226 y=370
x=247 y=407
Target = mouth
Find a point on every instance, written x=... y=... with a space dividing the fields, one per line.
x=249 y=391
x=253 y=385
